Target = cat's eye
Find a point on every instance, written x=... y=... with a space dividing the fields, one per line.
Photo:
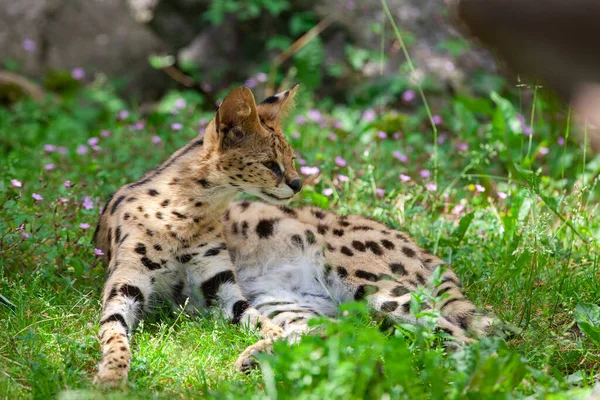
x=273 y=166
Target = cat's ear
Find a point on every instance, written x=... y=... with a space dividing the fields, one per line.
x=236 y=119
x=274 y=107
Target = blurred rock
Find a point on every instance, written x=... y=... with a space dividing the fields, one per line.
x=96 y=35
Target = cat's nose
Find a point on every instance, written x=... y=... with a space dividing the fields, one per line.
x=296 y=185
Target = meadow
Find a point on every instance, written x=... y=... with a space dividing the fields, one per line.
x=494 y=181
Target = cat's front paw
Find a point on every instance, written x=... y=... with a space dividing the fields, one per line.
x=247 y=361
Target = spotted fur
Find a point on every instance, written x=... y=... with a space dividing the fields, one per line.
x=312 y=260
x=163 y=237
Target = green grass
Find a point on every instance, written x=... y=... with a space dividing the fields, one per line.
x=529 y=258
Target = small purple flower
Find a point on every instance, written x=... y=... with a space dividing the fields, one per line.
x=561 y=141
x=37 y=197
x=138 y=126
x=68 y=184
x=332 y=136
x=442 y=138
x=105 y=133
x=405 y=178
x=64 y=200
x=156 y=139
x=251 y=82
x=87 y=203
x=437 y=120
x=479 y=188
x=123 y=114
x=207 y=87
x=343 y=178
x=350 y=5
x=369 y=115
x=382 y=135
x=397 y=135
x=84 y=225
x=176 y=126
x=379 y=192
x=49 y=167
x=400 y=156
x=29 y=45
x=431 y=186
x=301 y=161
x=338 y=124
x=314 y=115
x=306 y=170
x=462 y=146
x=180 y=103
x=203 y=121
x=49 y=148
x=96 y=147
x=301 y=120
x=295 y=135
x=425 y=173
x=340 y=162
x=98 y=252
x=527 y=130
x=262 y=77
x=327 y=192
x=458 y=209
x=16 y=183
x=544 y=150
x=408 y=96
x=93 y=141
x=78 y=73
x=25 y=235
x=62 y=150
x=502 y=195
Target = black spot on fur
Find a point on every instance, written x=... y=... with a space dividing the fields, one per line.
x=159 y=215
x=126 y=216
x=408 y=252
x=115 y=205
x=200 y=204
x=347 y=251
x=152 y=192
x=359 y=246
x=118 y=234
x=149 y=232
x=178 y=215
x=374 y=247
x=186 y=258
x=451 y=279
x=157 y=247
x=366 y=275
x=450 y=301
x=297 y=241
x=112 y=294
x=264 y=228
x=402 y=237
x=398 y=268
x=341 y=271
x=387 y=244
x=204 y=183
x=151 y=265
x=338 y=232
x=239 y=308
x=318 y=214
x=245 y=229
x=322 y=229
x=389 y=306
x=165 y=202
x=289 y=211
x=406 y=307
x=365 y=290
x=116 y=318
x=362 y=228
x=399 y=291
x=140 y=248
x=244 y=205
x=345 y=224
x=215 y=250
x=211 y=286
x=420 y=279
x=133 y=292
x=310 y=236
x=131 y=199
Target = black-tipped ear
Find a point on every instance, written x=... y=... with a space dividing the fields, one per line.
x=237 y=117
x=274 y=107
